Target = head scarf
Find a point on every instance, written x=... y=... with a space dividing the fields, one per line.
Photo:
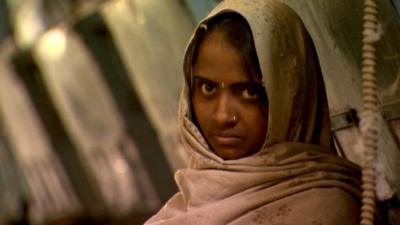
x=295 y=178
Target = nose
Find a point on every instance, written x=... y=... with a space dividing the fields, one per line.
x=225 y=112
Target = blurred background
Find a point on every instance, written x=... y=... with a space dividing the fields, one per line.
x=88 y=108
x=89 y=91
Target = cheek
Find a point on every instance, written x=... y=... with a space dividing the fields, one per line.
x=255 y=120
x=200 y=112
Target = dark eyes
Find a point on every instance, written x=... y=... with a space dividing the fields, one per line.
x=246 y=92
x=249 y=94
x=208 y=89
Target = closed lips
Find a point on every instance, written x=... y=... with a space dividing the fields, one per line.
x=227 y=139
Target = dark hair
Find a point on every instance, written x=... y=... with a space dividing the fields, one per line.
x=237 y=33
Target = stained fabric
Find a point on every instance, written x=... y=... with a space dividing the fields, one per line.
x=295 y=178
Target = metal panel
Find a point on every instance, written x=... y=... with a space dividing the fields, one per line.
x=152 y=36
x=50 y=194
x=91 y=119
x=100 y=43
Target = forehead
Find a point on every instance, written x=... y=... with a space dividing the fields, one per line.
x=219 y=61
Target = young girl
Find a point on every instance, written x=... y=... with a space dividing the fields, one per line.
x=255 y=122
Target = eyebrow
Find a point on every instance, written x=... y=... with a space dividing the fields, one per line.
x=240 y=83
x=205 y=80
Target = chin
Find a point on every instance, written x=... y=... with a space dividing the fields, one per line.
x=230 y=154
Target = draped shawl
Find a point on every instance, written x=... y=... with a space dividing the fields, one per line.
x=295 y=178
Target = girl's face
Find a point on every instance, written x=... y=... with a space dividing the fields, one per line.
x=228 y=104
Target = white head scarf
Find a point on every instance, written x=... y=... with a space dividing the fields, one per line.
x=295 y=172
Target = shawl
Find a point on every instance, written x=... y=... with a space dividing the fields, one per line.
x=295 y=178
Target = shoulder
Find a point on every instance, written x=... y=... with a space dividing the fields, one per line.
x=327 y=206
x=315 y=206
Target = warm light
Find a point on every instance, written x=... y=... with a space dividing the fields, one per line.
x=53 y=43
x=120 y=166
x=28 y=24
